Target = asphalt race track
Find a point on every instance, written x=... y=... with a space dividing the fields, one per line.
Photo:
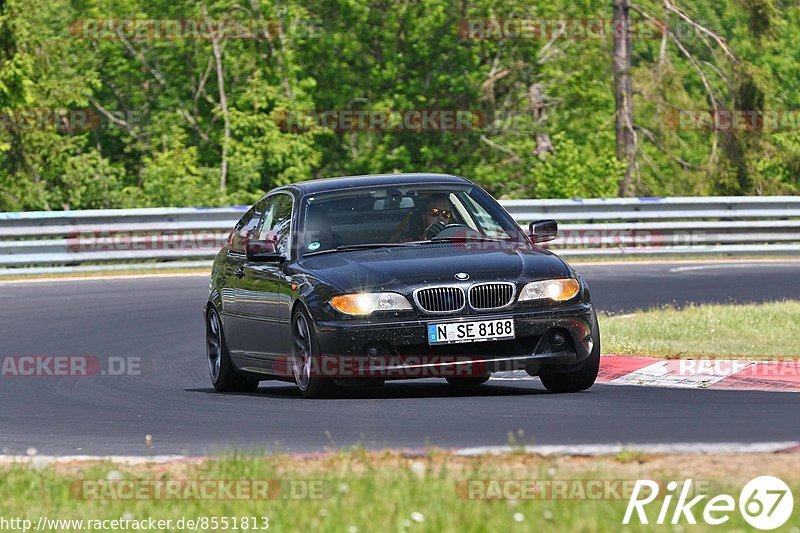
x=160 y=321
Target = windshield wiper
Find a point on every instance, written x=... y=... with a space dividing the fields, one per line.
x=349 y=247
x=461 y=239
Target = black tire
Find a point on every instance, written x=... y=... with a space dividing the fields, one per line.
x=585 y=376
x=224 y=376
x=468 y=382
x=304 y=350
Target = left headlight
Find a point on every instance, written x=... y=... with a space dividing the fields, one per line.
x=367 y=303
x=552 y=289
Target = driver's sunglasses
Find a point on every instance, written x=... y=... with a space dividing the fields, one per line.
x=441 y=212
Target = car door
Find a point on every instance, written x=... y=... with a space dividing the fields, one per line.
x=264 y=294
x=231 y=272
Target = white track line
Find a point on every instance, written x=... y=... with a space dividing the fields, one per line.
x=704 y=448
x=43 y=460
x=577 y=263
x=731 y=265
x=104 y=278
x=611 y=449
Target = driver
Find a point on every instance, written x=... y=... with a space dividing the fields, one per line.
x=429 y=217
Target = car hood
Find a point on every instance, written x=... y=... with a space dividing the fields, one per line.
x=401 y=269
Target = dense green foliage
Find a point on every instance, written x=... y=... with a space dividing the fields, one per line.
x=162 y=133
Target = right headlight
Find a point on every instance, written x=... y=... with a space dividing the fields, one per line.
x=550 y=289
x=367 y=303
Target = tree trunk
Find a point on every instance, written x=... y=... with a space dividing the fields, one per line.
x=623 y=91
x=223 y=104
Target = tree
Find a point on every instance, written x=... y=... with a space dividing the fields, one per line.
x=623 y=93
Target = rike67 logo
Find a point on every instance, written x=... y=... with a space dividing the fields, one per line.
x=765 y=503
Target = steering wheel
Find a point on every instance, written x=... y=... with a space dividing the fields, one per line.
x=444 y=230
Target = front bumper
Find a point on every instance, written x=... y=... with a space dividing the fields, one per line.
x=399 y=349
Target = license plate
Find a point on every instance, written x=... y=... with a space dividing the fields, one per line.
x=485 y=330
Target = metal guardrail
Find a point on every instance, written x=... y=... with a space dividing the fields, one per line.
x=592 y=227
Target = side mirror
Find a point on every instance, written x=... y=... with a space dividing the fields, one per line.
x=262 y=251
x=543 y=230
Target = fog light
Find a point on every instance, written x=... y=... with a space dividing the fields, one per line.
x=556 y=339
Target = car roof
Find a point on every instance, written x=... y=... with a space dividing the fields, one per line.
x=368 y=180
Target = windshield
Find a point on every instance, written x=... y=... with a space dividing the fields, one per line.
x=396 y=215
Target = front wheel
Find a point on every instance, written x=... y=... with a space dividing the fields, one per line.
x=304 y=353
x=585 y=376
x=223 y=375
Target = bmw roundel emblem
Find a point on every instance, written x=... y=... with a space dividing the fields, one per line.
x=462 y=276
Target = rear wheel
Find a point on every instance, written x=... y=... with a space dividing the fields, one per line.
x=585 y=376
x=223 y=375
x=304 y=350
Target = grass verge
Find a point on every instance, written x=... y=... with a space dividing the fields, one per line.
x=761 y=331
x=364 y=492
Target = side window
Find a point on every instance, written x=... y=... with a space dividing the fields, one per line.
x=277 y=221
x=486 y=222
x=246 y=227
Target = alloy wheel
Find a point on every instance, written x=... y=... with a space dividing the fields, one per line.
x=214 y=345
x=301 y=362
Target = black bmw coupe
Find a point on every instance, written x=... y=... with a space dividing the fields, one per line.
x=357 y=280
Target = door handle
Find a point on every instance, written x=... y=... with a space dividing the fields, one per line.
x=239 y=272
